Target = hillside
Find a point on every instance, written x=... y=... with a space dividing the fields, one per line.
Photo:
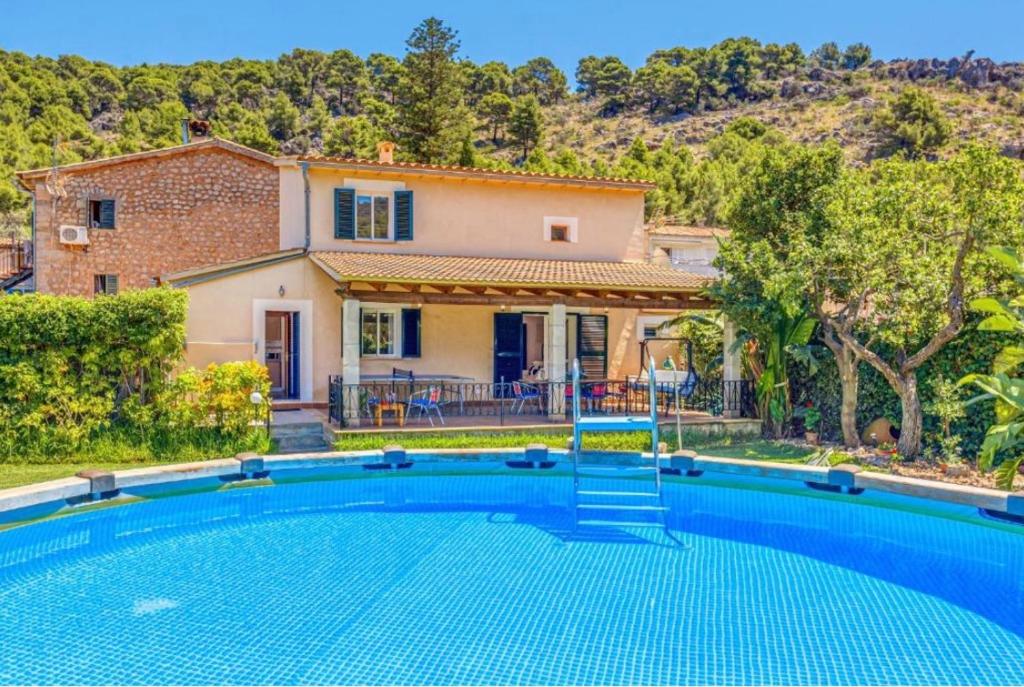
x=842 y=112
x=441 y=107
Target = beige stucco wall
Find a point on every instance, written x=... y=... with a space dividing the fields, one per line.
x=459 y=340
x=220 y=318
x=462 y=217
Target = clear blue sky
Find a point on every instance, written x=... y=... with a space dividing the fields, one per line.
x=181 y=31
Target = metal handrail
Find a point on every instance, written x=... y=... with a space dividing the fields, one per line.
x=652 y=388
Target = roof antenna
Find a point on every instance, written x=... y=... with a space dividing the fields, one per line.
x=54 y=180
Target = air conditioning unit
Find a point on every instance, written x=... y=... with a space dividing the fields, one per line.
x=74 y=236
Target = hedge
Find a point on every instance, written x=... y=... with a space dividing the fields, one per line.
x=75 y=371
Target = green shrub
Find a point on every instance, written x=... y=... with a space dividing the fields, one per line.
x=83 y=377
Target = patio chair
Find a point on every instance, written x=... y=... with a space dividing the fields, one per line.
x=522 y=394
x=426 y=401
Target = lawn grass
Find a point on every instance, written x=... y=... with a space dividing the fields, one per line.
x=752 y=448
x=17 y=474
x=14 y=473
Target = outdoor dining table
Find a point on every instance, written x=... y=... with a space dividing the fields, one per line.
x=445 y=382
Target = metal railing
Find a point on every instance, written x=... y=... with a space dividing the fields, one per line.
x=15 y=256
x=509 y=400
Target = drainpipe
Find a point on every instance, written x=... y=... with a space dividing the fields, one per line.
x=305 y=191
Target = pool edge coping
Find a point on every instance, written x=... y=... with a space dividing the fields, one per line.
x=688 y=463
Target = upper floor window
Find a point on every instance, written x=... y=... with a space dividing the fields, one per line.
x=101 y=214
x=365 y=215
x=373 y=217
x=559 y=232
x=561 y=229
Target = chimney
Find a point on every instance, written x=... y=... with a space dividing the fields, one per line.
x=385 y=152
x=199 y=129
x=184 y=131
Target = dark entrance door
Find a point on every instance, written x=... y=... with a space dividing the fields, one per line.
x=508 y=347
x=293 y=355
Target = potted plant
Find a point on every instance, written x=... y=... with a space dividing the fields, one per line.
x=812 y=420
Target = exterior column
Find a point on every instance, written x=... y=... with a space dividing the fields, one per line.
x=732 y=370
x=350 y=352
x=557 y=373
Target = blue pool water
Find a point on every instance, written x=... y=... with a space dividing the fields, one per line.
x=473 y=575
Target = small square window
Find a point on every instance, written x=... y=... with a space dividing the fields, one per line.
x=105 y=284
x=650 y=332
x=559 y=232
x=101 y=214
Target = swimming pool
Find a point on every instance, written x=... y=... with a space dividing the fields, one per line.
x=473 y=574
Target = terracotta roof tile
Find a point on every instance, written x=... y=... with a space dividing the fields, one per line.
x=680 y=230
x=480 y=172
x=458 y=270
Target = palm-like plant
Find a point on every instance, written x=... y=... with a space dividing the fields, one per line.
x=1007 y=434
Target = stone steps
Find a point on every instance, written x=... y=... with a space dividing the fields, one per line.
x=295 y=433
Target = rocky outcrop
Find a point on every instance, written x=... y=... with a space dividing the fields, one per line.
x=975 y=73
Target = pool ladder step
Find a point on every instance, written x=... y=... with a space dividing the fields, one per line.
x=616 y=523
x=618 y=494
x=622 y=495
x=622 y=507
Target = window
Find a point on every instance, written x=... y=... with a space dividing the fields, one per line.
x=378 y=330
x=561 y=229
x=650 y=332
x=101 y=214
x=105 y=284
x=373 y=217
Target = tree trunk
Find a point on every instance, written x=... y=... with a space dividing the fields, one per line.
x=849 y=379
x=912 y=425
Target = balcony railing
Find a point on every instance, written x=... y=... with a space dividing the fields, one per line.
x=15 y=256
x=505 y=401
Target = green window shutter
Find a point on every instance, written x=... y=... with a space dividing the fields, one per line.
x=106 y=214
x=403 y=215
x=592 y=338
x=411 y=333
x=344 y=213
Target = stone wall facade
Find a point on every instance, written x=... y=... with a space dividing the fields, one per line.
x=198 y=207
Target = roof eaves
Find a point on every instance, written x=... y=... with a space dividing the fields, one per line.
x=221 y=144
x=412 y=168
x=199 y=275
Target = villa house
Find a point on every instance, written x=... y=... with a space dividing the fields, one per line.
x=354 y=269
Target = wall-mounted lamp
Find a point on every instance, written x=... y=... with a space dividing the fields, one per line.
x=280 y=290
x=503 y=307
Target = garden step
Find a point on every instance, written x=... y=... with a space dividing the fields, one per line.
x=296 y=428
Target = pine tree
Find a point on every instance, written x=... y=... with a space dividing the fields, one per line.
x=526 y=125
x=431 y=111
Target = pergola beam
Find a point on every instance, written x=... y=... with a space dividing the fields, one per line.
x=652 y=300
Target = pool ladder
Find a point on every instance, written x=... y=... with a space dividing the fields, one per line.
x=617 y=502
